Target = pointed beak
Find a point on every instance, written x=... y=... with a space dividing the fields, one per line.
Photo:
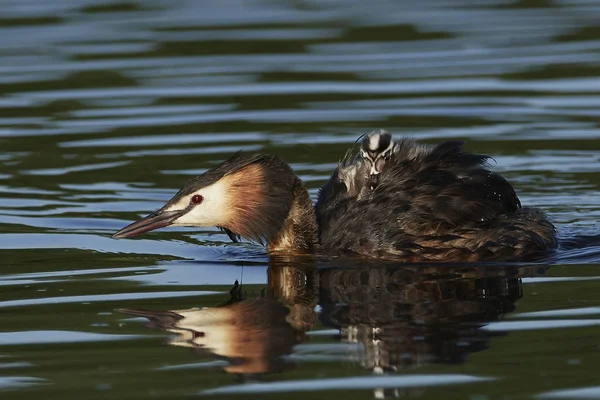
x=159 y=219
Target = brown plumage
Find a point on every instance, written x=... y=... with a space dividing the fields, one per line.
x=437 y=203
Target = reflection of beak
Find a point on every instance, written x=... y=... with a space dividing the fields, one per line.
x=156 y=220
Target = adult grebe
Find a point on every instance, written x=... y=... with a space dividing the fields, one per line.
x=427 y=203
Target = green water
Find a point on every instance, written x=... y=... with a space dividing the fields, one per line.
x=107 y=108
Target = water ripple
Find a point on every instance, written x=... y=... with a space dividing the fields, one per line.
x=350 y=383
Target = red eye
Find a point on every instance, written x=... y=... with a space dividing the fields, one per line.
x=197 y=199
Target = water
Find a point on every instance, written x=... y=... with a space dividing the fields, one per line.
x=107 y=108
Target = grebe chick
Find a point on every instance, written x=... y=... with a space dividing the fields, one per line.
x=432 y=203
x=375 y=150
x=359 y=171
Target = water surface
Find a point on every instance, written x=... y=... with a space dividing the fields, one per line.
x=107 y=108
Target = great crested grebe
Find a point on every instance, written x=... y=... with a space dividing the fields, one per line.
x=427 y=203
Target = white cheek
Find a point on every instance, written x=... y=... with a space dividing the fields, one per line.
x=181 y=204
x=211 y=212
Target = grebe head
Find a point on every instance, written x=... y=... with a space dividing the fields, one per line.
x=248 y=197
x=358 y=172
x=375 y=149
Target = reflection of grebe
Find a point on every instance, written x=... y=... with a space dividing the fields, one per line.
x=406 y=318
x=397 y=316
x=250 y=334
x=395 y=200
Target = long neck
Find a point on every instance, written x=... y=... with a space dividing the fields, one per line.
x=299 y=231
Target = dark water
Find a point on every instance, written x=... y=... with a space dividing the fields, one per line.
x=107 y=108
